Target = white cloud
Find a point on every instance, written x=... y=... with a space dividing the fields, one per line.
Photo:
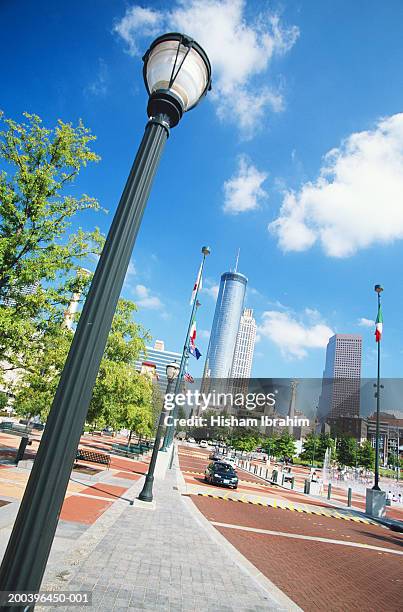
x=243 y=191
x=145 y=299
x=137 y=22
x=99 y=86
x=203 y=333
x=240 y=49
x=357 y=200
x=293 y=336
x=130 y=274
x=211 y=290
x=363 y=322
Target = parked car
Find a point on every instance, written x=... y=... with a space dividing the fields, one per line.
x=219 y=473
x=203 y=444
x=191 y=440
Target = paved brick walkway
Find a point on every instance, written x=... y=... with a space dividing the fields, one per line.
x=162 y=559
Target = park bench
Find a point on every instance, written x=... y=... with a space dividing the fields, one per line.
x=93 y=457
x=124 y=449
x=15 y=428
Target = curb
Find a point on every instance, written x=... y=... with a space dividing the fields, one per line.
x=277 y=597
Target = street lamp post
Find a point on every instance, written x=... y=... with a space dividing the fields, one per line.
x=177 y=75
x=376 y=487
x=146 y=494
x=170 y=430
x=313 y=452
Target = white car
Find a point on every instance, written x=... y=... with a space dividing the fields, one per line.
x=203 y=444
x=228 y=459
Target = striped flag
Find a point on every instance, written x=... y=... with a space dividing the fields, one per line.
x=192 y=333
x=379 y=325
x=188 y=377
x=197 y=285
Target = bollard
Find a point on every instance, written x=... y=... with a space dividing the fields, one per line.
x=274 y=475
x=349 y=494
x=329 y=490
x=282 y=480
x=21 y=450
x=292 y=482
x=307 y=486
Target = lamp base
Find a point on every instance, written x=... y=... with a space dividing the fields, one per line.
x=375 y=503
x=146 y=494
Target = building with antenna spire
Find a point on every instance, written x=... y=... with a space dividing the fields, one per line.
x=227 y=317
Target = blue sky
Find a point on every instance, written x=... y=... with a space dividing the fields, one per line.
x=301 y=133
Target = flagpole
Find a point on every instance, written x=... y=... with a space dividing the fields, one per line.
x=169 y=432
x=376 y=486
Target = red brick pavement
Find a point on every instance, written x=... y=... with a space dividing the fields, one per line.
x=320 y=576
x=83 y=510
x=316 y=575
x=294 y=522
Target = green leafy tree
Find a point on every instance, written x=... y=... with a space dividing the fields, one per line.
x=366 y=455
x=269 y=445
x=247 y=441
x=39 y=255
x=35 y=390
x=315 y=446
x=157 y=399
x=181 y=415
x=284 y=445
x=347 y=451
x=3 y=400
x=121 y=398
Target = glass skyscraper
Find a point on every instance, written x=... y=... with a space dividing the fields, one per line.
x=225 y=327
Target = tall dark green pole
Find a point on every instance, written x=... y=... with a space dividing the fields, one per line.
x=376 y=486
x=170 y=430
x=146 y=493
x=27 y=552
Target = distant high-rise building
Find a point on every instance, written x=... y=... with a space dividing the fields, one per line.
x=340 y=395
x=227 y=316
x=244 y=346
x=155 y=361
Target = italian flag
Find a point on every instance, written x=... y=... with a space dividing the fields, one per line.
x=192 y=333
x=197 y=286
x=379 y=325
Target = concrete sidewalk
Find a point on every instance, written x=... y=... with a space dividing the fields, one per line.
x=167 y=559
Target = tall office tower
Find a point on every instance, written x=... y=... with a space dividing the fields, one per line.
x=244 y=346
x=227 y=316
x=155 y=361
x=341 y=378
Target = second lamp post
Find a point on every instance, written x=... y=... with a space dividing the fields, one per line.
x=146 y=494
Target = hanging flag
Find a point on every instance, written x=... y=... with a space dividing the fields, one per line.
x=192 y=333
x=379 y=325
x=197 y=285
x=188 y=377
x=193 y=350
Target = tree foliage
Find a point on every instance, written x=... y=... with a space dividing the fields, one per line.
x=38 y=257
x=366 y=455
x=315 y=446
x=122 y=397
